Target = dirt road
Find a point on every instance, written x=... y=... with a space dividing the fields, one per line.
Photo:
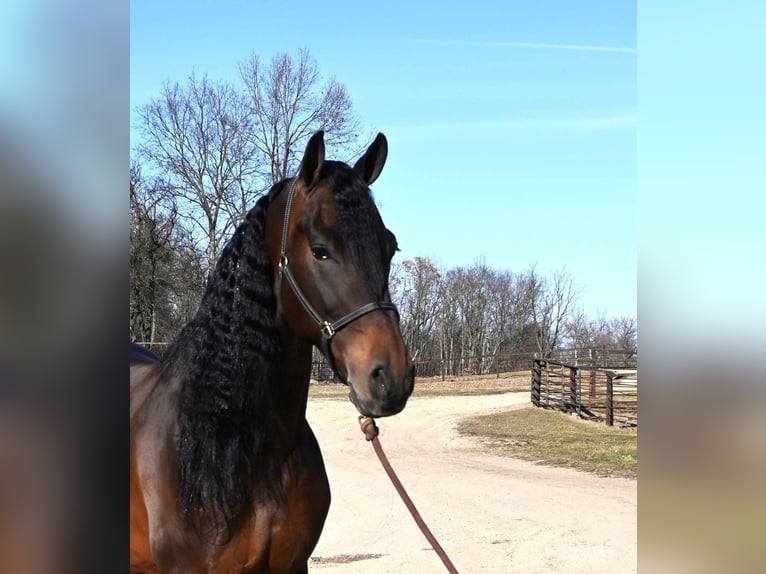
x=491 y=514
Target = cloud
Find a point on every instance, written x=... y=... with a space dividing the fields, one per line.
x=528 y=45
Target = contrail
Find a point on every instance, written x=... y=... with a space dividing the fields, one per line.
x=614 y=122
x=531 y=45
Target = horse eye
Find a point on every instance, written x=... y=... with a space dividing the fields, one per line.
x=320 y=253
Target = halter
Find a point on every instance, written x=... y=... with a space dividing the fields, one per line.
x=327 y=328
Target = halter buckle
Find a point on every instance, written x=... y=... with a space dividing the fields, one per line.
x=327 y=331
x=282 y=266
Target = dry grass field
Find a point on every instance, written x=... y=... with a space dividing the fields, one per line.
x=471 y=385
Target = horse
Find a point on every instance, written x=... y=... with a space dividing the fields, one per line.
x=226 y=476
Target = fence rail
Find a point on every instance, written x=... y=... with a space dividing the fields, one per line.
x=597 y=357
x=610 y=395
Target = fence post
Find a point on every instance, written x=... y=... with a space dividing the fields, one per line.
x=592 y=389
x=573 y=387
x=609 y=400
x=536 y=381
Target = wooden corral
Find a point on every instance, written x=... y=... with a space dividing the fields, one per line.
x=610 y=395
x=602 y=357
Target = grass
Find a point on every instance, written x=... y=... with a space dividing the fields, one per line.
x=472 y=385
x=554 y=438
x=435 y=387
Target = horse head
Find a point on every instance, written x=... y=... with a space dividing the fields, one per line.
x=332 y=256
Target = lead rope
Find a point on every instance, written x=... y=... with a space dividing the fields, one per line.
x=370 y=430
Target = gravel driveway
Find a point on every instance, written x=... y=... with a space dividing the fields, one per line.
x=490 y=513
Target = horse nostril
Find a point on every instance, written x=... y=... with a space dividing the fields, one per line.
x=381 y=380
x=378 y=376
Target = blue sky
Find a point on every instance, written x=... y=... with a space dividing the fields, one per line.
x=511 y=126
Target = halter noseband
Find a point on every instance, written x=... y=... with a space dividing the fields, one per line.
x=327 y=328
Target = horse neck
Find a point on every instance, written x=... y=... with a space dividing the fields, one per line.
x=295 y=358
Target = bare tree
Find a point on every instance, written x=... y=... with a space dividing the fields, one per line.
x=419 y=304
x=467 y=309
x=601 y=333
x=551 y=302
x=625 y=334
x=598 y=339
x=153 y=218
x=449 y=324
x=197 y=136
x=288 y=105
x=165 y=270
x=509 y=312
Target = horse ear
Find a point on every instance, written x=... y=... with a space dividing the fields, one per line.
x=371 y=163
x=313 y=158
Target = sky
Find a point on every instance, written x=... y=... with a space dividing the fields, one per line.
x=511 y=125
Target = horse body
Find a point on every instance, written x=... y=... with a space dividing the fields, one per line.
x=226 y=475
x=279 y=537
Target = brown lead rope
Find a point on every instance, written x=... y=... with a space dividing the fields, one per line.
x=370 y=430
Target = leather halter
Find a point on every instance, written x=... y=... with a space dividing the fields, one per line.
x=327 y=328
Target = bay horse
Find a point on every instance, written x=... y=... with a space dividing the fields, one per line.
x=225 y=474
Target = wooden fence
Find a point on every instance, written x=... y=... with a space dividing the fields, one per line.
x=597 y=357
x=610 y=395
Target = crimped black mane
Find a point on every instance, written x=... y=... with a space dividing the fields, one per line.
x=226 y=360
x=226 y=356
x=364 y=235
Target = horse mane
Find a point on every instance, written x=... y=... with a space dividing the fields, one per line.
x=368 y=243
x=226 y=361
x=226 y=357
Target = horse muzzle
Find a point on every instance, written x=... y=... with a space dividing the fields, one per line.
x=383 y=393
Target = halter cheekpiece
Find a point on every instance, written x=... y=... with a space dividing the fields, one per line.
x=327 y=328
